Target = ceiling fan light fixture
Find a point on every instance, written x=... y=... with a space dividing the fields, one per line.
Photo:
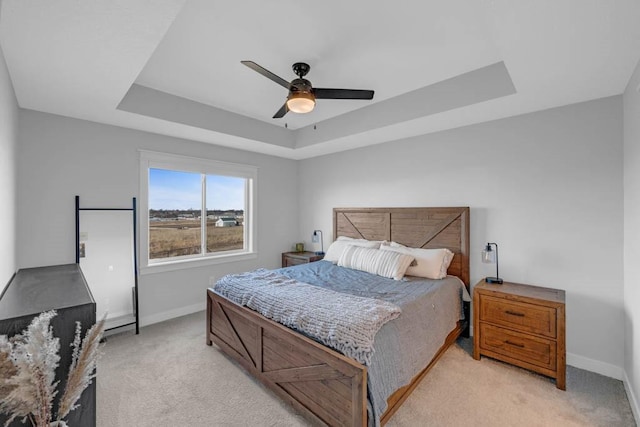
x=302 y=95
x=301 y=102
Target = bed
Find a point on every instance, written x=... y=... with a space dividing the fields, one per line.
x=319 y=382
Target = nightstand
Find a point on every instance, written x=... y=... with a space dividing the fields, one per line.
x=522 y=325
x=296 y=258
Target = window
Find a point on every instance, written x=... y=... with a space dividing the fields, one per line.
x=194 y=211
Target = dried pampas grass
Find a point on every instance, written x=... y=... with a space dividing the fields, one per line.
x=83 y=367
x=27 y=371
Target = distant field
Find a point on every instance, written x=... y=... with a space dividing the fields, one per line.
x=176 y=238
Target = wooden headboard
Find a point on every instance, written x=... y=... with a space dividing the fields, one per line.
x=414 y=227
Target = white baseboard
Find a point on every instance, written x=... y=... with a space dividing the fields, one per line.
x=170 y=314
x=596 y=366
x=633 y=398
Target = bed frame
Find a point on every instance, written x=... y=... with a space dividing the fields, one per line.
x=320 y=383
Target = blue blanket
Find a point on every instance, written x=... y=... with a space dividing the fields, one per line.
x=405 y=345
x=344 y=322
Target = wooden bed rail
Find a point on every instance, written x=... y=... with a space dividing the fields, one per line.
x=319 y=382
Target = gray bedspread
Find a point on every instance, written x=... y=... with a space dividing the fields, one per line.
x=347 y=323
x=405 y=345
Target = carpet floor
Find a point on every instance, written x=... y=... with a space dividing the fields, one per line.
x=168 y=376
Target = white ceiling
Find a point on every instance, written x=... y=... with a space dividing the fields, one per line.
x=173 y=66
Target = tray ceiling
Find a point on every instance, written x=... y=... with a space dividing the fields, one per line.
x=173 y=66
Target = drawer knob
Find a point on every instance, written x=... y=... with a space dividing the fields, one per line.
x=515 y=344
x=514 y=313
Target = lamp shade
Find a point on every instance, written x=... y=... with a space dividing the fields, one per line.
x=317 y=234
x=301 y=101
x=489 y=255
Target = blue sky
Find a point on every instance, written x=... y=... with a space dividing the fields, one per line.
x=181 y=190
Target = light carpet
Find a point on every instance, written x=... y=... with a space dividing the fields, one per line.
x=168 y=376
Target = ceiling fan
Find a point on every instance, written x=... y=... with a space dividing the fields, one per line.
x=302 y=95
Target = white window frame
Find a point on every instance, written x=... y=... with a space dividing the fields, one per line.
x=155 y=160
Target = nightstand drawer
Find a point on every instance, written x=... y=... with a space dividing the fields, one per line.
x=527 y=348
x=290 y=259
x=295 y=261
x=524 y=317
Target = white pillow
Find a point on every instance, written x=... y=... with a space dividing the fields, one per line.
x=430 y=263
x=336 y=248
x=383 y=263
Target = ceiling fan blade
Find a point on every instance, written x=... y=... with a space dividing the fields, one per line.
x=281 y=112
x=268 y=74
x=323 y=93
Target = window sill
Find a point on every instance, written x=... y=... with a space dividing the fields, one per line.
x=195 y=263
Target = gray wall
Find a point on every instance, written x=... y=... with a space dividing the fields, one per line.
x=632 y=240
x=60 y=157
x=546 y=186
x=8 y=170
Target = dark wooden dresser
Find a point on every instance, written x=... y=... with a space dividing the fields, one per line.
x=523 y=325
x=62 y=288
